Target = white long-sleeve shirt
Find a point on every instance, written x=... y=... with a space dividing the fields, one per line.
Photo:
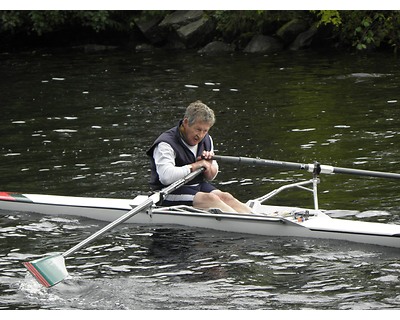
x=168 y=172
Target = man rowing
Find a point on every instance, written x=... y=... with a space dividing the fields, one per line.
x=183 y=149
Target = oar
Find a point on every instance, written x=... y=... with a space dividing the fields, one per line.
x=51 y=270
x=308 y=167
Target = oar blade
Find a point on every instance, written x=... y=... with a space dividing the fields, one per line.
x=48 y=271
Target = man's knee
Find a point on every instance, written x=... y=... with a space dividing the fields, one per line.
x=225 y=196
x=205 y=196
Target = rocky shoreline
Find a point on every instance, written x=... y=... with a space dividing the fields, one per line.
x=180 y=30
x=205 y=31
x=193 y=29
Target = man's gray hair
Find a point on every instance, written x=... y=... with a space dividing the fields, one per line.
x=198 y=111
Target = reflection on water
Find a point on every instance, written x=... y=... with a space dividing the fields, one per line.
x=77 y=124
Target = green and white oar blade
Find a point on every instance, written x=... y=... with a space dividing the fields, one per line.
x=48 y=270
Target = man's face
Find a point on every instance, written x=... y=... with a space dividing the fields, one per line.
x=195 y=133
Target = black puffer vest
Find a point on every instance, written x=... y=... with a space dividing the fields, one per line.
x=183 y=155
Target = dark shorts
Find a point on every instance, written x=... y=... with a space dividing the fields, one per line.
x=185 y=194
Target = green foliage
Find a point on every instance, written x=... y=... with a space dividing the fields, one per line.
x=393 y=31
x=95 y=20
x=233 y=23
x=29 y=22
x=364 y=29
x=46 y=21
x=41 y=22
x=10 y=20
x=329 y=17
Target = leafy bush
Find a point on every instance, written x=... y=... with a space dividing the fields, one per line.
x=364 y=29
x=41 y=22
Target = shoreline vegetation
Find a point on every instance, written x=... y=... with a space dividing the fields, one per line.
x=205 y=31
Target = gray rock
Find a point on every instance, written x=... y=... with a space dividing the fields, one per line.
x=216 y=47
x=180 y=18
x=304 y=39
x=289 y=31
x=196 y=33
x=266 y=44
x=151 y=30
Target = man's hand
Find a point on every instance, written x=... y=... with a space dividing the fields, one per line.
x=205 y=161
x=207 y=155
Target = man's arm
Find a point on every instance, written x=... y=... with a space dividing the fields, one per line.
x=164 y=157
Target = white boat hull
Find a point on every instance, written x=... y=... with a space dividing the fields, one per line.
x=275 y=221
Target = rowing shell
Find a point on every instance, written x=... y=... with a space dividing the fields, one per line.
x=275 y=221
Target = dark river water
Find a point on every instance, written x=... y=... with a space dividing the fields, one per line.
x=79 y=124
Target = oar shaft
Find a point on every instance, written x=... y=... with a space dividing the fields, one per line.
x=307 y=167
x=139 y=208
x=122 y=219
x=261 y=162
x=177 y=184
x=368 y=173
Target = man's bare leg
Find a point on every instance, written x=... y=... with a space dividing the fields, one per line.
x=232 y=202
x=205 y=200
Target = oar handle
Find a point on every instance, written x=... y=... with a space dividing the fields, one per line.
x=307 y=167
x=144 y=205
